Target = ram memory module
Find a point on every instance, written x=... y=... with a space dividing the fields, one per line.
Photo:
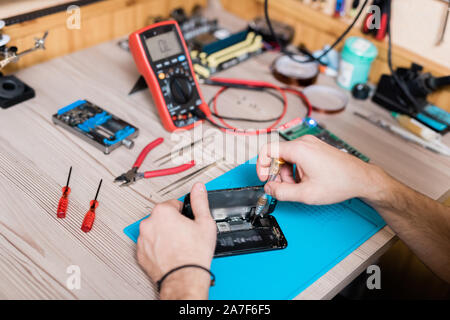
x=299 y=127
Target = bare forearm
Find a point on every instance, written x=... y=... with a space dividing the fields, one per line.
x=186 y=284
x=422 y=223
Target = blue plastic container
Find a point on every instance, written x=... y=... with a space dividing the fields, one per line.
x=356 y=59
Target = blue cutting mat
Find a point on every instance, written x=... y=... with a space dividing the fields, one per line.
x=318 y=238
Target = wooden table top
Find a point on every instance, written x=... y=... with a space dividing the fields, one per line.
x=37 y=248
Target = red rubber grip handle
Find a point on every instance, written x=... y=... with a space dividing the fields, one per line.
x=89 y=218
x=383 y=27
x=146 y=150
x=63 y=203
x=365 y=28
x=169 y=171
x=62 y=207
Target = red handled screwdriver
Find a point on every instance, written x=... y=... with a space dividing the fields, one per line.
x=64 y=201
x=89 y=218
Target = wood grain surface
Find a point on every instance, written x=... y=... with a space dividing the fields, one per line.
x=36 y=248
x=99 y=22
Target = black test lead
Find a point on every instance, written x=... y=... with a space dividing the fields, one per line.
x=89 y=218
x=64 y=200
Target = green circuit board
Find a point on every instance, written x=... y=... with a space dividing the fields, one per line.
x=297 y=128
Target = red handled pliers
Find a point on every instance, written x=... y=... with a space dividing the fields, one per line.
x=132 y=175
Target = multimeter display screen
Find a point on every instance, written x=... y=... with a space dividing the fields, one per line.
x=163 y=45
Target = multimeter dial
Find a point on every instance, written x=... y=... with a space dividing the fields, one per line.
x=163 y=59
x=181 y=89
x=180 y=93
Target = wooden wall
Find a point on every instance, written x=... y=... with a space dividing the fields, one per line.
x=110 y=19
x=315 y=29
x=100 y=22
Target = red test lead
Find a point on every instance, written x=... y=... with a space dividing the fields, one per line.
x=89 y=218
x=64 y=201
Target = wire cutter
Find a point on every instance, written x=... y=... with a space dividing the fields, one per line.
x=132 y=175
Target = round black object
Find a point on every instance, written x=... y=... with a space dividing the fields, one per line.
x=361 y=91
x=11 y=87
x=181 y=89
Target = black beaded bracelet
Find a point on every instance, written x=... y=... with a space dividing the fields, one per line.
x=213 y=277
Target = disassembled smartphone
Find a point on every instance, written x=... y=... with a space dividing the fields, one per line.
x=232 y=209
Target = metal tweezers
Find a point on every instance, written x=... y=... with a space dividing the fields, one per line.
x=190 y=176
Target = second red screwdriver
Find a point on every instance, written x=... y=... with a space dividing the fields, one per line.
x=89 y=218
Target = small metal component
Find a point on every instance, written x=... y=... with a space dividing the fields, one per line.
x=128 y=143
x=276 y=232
x=223 y=227
x=129 y=177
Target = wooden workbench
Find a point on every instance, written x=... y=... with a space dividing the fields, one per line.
x=36 y=248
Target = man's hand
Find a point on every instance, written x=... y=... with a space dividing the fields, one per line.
x=323 y=173
x=168 y=240
x=326 y=175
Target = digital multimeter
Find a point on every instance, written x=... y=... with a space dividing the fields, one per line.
x=162 y=58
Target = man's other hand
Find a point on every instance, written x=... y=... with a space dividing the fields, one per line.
x=168 y=240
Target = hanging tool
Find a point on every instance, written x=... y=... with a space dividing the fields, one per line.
x=382 y=31
x=89 y=218
x=132 y=175
x=64 y=200
x=261 y=205
x=379 y=33
x=444 y=27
